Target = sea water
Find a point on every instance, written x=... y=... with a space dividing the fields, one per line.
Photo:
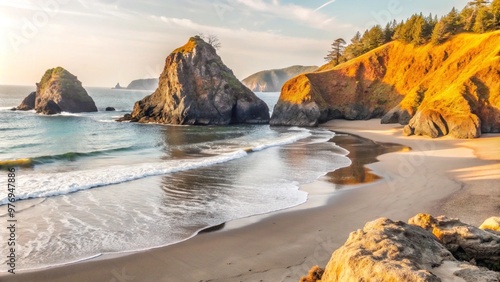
x=87 y=185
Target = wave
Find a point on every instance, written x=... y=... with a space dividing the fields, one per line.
x=69 y=156
x=283 y=141
x=72 y=156
x=55 y=184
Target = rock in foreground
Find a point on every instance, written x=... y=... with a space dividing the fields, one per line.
x=58 y=91
x=465 y=242
x=385 y=250
x=196 y=88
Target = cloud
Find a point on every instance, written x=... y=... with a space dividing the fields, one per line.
x=309 y=17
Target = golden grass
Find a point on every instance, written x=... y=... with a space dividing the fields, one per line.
x=188 y=47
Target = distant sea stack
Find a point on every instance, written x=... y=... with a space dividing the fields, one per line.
x=273 y=80
x=118 y=86
x=449 y=89
x=58 y=91
x=196 y=88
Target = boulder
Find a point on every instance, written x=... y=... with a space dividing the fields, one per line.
x=110 y=109
x=59 y=91
x=196 y=88
x=466 y=242
x=387 y=251
x=28 y=103
x=492 y=223
x=397 y=115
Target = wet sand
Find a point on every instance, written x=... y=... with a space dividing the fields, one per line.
x=436 y=176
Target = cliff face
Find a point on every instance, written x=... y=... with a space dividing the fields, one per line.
x=59 y=91
x=273 y=80
x=453 y=88
x=197 y=88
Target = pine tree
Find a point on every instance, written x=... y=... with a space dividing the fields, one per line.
x=495 y=11
x=484 y=20
x=336 y=53
x=439 y=32
x=373 y=38
x=354 y=49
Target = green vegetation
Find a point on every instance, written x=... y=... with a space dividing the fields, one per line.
x=479 y=16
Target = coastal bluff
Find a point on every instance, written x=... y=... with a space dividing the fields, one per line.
x=273 y=80
x=196 y=88
x=434 y=90
x=58 y=91
x=427 y=249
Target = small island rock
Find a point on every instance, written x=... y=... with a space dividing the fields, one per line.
x=59 y=91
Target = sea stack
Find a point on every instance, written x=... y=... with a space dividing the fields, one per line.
x=196 y=88
x=58 y=91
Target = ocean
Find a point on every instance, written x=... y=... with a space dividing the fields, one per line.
x=87 y=185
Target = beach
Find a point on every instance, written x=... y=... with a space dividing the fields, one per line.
x=458 y=178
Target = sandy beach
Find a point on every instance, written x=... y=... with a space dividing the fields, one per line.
x=458 y=178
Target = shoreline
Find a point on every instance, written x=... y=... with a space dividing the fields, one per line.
x=283 y=245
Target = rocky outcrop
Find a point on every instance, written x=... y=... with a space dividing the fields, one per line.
x=196 y=88
x=273 y=80
x=118 y=86
x=451 y=89
x=491 y=224
x=28 y=103
x=59 y=91
x=466 y=242
x=385 y=250
x=110 y=109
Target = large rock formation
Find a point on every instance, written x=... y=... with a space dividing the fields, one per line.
x=197 y=88
x=273 y=80
x=58 y=91
x=385 y=250
x=465 y=242
x=450 y=89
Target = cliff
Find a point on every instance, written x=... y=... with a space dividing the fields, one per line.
x=197 y=88
x=59 y=91
x=449 y=89
x=143 y=84
x=273 y=80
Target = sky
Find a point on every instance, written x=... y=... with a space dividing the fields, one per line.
x=108 y=41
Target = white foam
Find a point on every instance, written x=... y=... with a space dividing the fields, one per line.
x=54 y=184
x=285 y=140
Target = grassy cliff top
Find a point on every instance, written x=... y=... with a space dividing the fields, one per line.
x=440 y=73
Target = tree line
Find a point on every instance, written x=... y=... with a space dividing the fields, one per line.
x=478 y=16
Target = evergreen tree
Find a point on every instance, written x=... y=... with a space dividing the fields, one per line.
x=373 y=38
x=336 y=53
x=440 y=32
x=388 y=33
x=354 y=49
x=484 y=20
x=495 y=11
x=454 y=22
